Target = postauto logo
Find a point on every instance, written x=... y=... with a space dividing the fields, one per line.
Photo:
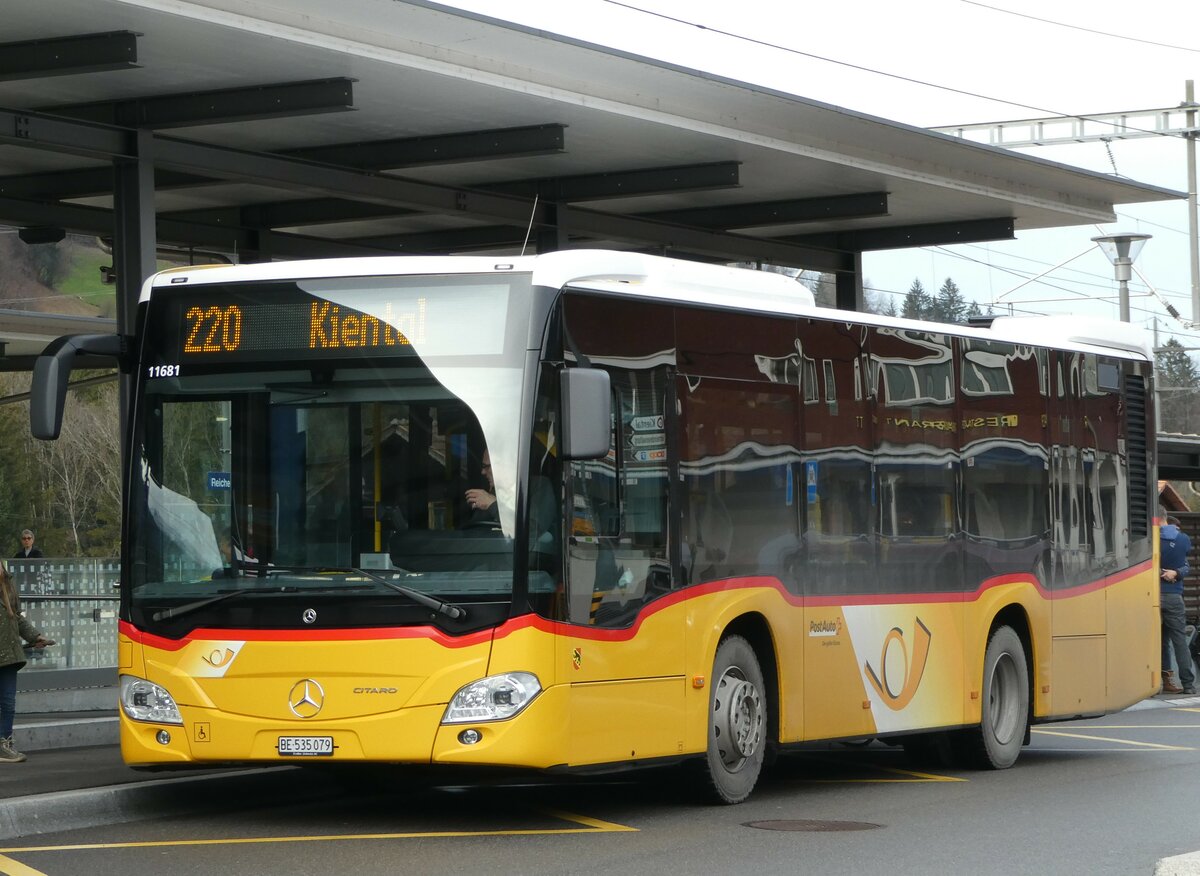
x=897 y=692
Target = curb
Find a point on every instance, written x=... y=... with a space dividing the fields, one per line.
x=67 y=733
x=158 y=798
x=1179 y=865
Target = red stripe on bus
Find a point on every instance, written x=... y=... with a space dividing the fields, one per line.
x=335 y=635
x=583 y=631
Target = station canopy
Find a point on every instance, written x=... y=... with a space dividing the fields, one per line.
x=266 y=130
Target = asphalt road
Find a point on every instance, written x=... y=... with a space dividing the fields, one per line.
x=1111 y=795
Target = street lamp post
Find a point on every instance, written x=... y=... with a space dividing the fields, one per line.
x=1121 y=250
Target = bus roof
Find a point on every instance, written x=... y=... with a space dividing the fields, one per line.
x=649 y=276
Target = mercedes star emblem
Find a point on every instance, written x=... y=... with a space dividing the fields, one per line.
x=306 y=698
x=309 y=616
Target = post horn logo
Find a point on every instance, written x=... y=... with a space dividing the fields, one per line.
x=306 y=698
x=218 y=658
x=898 y=693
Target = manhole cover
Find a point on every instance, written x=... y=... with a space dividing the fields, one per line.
x=812 y=825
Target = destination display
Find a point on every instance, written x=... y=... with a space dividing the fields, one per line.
x=327 y=318
x=210 y=327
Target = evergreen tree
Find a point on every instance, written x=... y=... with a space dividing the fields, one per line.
x=1178 y=389
x=917 y=302
x=950 y=304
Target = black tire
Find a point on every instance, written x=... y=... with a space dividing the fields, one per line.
x=737 y=723
x=997 y=741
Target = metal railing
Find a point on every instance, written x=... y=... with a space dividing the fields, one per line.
x=74 y=602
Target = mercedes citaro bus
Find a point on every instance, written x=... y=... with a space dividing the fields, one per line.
x=591 y=510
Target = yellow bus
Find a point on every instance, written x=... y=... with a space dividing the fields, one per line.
x=590 y=510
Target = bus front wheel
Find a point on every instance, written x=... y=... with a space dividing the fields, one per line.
x=737 y=722
x=997 y=741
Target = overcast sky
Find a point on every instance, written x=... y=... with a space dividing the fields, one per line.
x=984 y=61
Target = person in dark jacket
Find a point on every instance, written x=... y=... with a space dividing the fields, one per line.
x=1174 y=546
x=13 y=628
x=27 y=551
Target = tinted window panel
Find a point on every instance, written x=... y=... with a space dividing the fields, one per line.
x=739 y=460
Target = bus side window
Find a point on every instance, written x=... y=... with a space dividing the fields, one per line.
x=739 y=464
x=617 y=534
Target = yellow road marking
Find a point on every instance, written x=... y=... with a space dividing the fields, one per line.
x=912 y=776
x=1135 y=726
x=594 y=823
x=589 y=825
x=9 y=867
x=1109 y=739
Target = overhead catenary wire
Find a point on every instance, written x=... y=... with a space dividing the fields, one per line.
x=1069 y=26
x=877 y=72
x=925 y=83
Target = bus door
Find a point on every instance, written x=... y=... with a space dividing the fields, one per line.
x=622 y=649
x=1078 y=621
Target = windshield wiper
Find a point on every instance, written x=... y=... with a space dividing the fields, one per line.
x=189 y=607
x=454 y=612
x=449 y=609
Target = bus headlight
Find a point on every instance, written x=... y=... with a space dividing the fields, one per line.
x=493 y=698
x=144 y=700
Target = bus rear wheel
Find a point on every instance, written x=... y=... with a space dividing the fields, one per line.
x=737 y=722
x=997 y=741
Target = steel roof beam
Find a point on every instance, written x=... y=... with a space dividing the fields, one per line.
x=785 y=212
x=371 y=155
x=906 y=236
x=286 y=214
x=397 y=191
x=265 y=169
x=219 y=106
x=64 y=56
x=439 y=149
x=449 y=240
x=625 y=183
x=39 y=131
x=683 y=241
x=319 y=211
x=101 y=221
x=84 y=182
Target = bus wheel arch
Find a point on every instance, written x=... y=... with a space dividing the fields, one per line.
x=1006 y=693
x=742 y=713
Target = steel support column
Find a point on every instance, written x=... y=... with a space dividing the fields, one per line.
x=550 y=236
x=134 y=249
x=848 y=286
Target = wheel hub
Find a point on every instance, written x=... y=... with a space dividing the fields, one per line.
x=738 y=718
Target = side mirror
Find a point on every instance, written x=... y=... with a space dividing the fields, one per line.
x=587 y=413
x=52 y=372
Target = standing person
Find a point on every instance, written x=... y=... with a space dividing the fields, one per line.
x=27 y=551
x=13 y=628
x=1174 y=546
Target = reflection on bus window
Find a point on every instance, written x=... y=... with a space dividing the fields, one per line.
x=739 y=460
x=617 y=557
x=912 y=366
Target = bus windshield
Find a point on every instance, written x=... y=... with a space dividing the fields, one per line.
x=269 y=470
